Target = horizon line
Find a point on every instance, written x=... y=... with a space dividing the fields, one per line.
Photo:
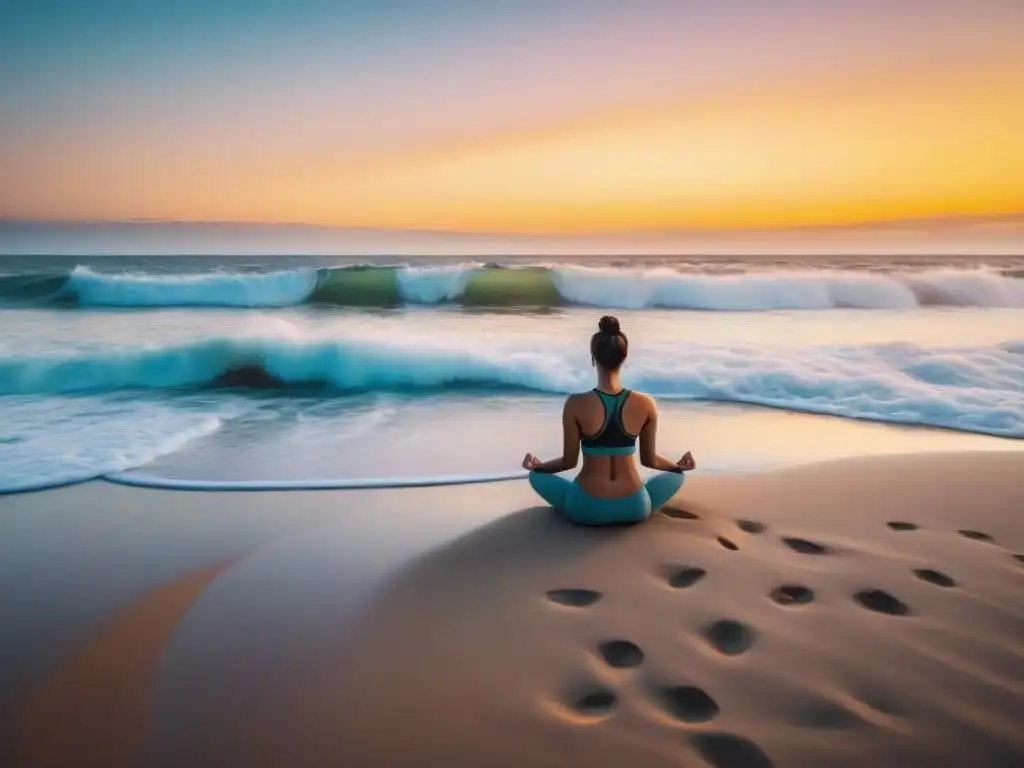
x=951 y=219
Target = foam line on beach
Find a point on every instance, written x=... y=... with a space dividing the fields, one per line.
x=324 y=484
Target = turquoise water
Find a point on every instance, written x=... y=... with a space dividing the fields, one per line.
x=223 y=369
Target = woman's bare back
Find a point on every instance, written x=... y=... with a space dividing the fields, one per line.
x=610 y=477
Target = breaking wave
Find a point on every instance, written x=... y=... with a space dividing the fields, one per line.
x=971 y=389
x=536 y=286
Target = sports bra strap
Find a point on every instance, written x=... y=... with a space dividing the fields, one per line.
x=613 y=432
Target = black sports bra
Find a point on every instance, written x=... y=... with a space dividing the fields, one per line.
x=612 y=439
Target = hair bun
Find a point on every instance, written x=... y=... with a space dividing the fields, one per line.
x=609 y=325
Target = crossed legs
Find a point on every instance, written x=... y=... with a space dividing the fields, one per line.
x=558 y=491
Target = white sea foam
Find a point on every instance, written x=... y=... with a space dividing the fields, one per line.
x=52 y=441
x=977 y=389
x=73 y=411
x=273 y=289
x=818 y=289
x=610 y=287
x=434 y=285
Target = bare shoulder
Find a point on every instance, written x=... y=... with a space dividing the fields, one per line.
x=573 y=402
x=647 y=400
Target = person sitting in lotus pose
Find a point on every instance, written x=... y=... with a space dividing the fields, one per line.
x=606 y=423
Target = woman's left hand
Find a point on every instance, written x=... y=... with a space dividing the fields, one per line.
x=530 y=461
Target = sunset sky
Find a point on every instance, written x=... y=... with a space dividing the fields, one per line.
x=525 y=116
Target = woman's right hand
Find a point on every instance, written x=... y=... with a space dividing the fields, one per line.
x=686 y=463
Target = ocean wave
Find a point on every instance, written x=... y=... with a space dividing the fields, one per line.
x=972 y=389
x=806 y=290
x=42 y=445
x=529 y=286
x=271 y=289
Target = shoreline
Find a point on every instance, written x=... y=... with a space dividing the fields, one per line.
x=327 y=622
x=730 y=445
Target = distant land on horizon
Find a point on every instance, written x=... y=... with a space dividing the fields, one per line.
x=966 y=235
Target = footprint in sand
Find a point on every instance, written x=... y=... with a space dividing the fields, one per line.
x=679 y=514
x=881 y=602
x=938 y=578
x=727 y=544
x=688 y=703
x=726 y=750
x=792 y=594
x=899 y=526
x=621 y=654
x=683 y=578
x=805 y=547
x=825 y=714
x=751 y=526
x=596 y=703
x=574 y=598
x=729 y=637
x=977 y=536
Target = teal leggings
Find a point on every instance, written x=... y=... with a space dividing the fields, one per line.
x=580 y=507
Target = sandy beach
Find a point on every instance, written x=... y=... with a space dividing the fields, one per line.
x=859 y=612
